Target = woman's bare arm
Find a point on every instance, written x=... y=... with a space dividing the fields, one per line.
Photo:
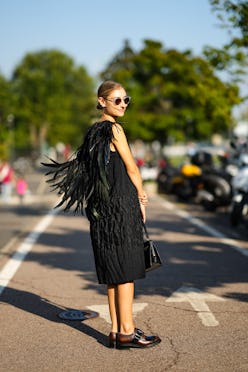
x=121 y=145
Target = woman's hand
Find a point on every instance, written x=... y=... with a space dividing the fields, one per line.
x=143 y=199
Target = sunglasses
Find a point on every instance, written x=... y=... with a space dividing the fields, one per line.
x=117 y=101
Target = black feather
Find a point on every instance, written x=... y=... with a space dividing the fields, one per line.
x=84 y=177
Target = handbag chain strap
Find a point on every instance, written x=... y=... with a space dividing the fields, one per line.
x=146 y=232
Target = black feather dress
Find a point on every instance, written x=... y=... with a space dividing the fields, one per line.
x=96 y=181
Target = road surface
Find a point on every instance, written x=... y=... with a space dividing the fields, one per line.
x=196 y=302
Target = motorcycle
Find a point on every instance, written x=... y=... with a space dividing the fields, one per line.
x=239 y=205
x=166 y=177
x=215 y=189
x=199 y=180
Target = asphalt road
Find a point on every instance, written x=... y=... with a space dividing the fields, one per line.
x=17 y=219
x=196 y=302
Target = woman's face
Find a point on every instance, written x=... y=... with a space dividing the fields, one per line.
x=116 y=103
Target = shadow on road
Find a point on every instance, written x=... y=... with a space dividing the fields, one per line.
x=42 y=307
x=191 y=258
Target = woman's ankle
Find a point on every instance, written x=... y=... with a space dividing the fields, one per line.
x=127 y=329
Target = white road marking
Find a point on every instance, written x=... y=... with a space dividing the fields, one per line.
x=11 y=267
x=197 y=299
x=103 y=310
x=210 y=230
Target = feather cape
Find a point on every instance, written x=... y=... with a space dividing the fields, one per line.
x=85 y=175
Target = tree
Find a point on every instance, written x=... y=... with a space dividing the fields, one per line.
x=233 y=57
x=5 y=117
x=54 y=99
x=176 y=94
x=233 y=15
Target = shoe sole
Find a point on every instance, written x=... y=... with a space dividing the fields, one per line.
x=136 y=346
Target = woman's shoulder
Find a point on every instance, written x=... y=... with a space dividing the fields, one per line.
x=117 y=126
x=118 y=131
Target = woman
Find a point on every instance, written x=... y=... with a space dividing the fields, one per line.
x=105 y=179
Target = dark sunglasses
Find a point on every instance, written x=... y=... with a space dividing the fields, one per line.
x=117 y=101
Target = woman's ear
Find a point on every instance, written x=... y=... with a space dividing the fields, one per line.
x=101 y=102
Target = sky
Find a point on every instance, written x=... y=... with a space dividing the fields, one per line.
x=93 y=31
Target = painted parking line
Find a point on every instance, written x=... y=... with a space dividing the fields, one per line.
x=210 y=230
x=13 y=264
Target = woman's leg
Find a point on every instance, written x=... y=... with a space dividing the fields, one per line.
x=120 y=299
x=127 y=336
x=125 y=295
x=113 y=309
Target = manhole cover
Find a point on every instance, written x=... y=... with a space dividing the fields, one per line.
x=77 y=314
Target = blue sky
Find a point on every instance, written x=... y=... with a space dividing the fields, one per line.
x=93 y=31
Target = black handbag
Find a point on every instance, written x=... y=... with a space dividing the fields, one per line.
x=152 y=257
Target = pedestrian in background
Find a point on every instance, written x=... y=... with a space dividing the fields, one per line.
x=21 y=188
x=6 y=180
x=104 y=179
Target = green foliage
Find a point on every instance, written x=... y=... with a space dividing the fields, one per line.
x=4 y=100
x=5 y=115
x=53 y=99
x=233 y=16
x=175 y=94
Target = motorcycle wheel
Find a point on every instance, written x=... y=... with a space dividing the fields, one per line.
x=219 y=188
x=183 y=191
x=209 y=206
x=164 y=184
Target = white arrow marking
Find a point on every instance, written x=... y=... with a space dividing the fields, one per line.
x=103 y=310
x=197 y=300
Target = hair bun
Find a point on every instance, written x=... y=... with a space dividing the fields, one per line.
x=99 y=106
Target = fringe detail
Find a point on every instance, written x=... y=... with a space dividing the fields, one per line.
x=85 y=176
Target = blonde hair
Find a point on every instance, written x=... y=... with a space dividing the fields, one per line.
x=105 y=89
